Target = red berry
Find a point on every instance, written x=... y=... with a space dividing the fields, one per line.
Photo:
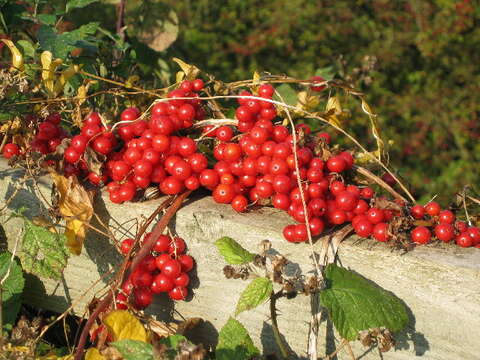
x=367 y=193
x=239 y=203
x=375 y=215
x=315 y=80
x=223 y=194
x=432 y=208
x=182 y=280
x=420 y=235
x=186 y=262
x=224 y=133
x=197 y=84
x=346 y=200
x=177 y=246
x=474 y=233
x=161 y=260
x=446 y=216
x=417 y=211
x=171 y=268
x=464 y=240
x=162 y=283
x=162 y=244
x=380 y=232
x=10 y=150
x=126 y=245
x=178 y=293
x=336 y=164
x=363 y=227
x=444 y=232
x=266 y=90
x=71 y=155
x=143 y=297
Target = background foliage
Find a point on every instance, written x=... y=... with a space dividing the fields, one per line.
x=417 y=61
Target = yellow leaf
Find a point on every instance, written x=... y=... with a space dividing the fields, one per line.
x=131 y=80
x=335 y=111
x=256 y=78
x=48 y=70
x=65 y=76
x=374 y=127
x=123 y=325
x=76 y=206
x=93 y=354
x=306 y=101
x=17 y=57
x=191 y=71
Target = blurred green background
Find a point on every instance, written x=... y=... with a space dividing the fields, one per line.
x=416 y=60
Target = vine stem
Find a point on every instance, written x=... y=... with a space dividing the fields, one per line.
x=142 y=253
x=276 y=331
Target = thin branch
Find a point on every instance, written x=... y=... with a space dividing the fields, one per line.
x=276 y=332
x=367 y=173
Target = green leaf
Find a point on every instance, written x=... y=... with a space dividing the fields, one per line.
x=27 y=48
x=355 y=304
x=287 y=95
x=256 y=293
x=12 y=288
x=233 y=252
x=61 y=44
x=328 y=73
x=75 y=4
x=43 y=252
x=134 y=349
x=47 y=19
x=234 y=343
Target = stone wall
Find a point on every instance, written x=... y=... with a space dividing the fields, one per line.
x=440 y=285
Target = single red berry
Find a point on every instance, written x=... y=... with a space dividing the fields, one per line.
x=446 y=216
x=71 y=155
x=367 y=193
x=162 y=244
x=162 y=283
x=10 y=150
x=432 y=208
x=182 y=280
x=315 y=80
x=178 y=293
x=143 y=297
x=224 y=133
x=126 y=245
x=346 y=200
x=186 y=262
x=239 y=203
x=177 y=246
x=380 y=232
x=171 y=268
x=474 y=233
x=266 y=90
x=464 y=240
x=421 y=235
x=445 y=232
x=198 y=84
x=362 y=227
x=417 y=211
x=161 y=260
x=375 y=215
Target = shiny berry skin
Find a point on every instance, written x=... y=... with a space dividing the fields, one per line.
x=346 y=201
x=223 y=194
x=129 y=114
x=444 y=232
x=162 y=283
x=380 y=232
x=181 y=170
x=266 y=90
x=161 y=260
x=162 y=244
x=126 y=192
x=171 y=186
x=363 y=228
x=171 y=268
x=375 y=215
x=10 y=150
x=432 y=208
x=464 y=240
x=281 y=201
x=336 y=164
x=474 y=233
x=178 y=293
x=232 y=152
x=102 y=145
x=141 y=278
x=289 y=233
x=198 y=84
x=90 y=130
x=461 y=226
x=209 y=178
x=186 y=112
x=148 y=264
x=243 y=114
x=161 y=143
x=182 y=280
x=239 y=203
x=337 y=217
x=186 y=262
x=337 y=187
x=71 y=155
x=316 y=226
x=143 y=297
x=121 y=301
x=314 y=80
x=224 y=133
x=177 y=246
x=417 y=211
x=92 y=119
x=446 y=216
x=367 y=193
x=126 y=245
x=361 y=208
x=421 y=235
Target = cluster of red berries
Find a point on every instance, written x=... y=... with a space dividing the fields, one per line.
x=149 y=151
x=48 y=137
x=446 y=227
x=165 y=270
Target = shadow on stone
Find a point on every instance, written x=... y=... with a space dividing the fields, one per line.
x=40 y=299
x=98 y=246
x=270 y=346
x=204 y=333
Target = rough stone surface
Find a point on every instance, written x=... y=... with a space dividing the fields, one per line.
x=439 y=285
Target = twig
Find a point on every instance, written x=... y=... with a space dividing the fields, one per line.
x=367 y=173
x=340 y=347
x=144 y=251
x=276 y=332
x=350 y=351
x=120 y=19
x=465 y=207
x=476 y=201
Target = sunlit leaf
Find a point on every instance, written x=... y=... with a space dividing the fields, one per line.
x=255 y=294
x=123 y=325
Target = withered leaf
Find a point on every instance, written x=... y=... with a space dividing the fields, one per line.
x=76 y=207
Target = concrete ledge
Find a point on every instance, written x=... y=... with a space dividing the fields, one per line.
x=441 y=286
